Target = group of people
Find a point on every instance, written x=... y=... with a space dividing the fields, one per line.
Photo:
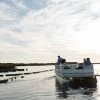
x=87 y=61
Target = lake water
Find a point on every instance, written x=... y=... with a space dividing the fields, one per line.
x=44 y=86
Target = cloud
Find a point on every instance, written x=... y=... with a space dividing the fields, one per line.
x=12 y=38
x=3 y=15
x=48 y=27
x=19 y=4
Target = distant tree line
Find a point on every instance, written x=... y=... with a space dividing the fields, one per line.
x=5 y=67
x=12 y=66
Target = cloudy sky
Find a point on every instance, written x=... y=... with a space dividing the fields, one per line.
x=40 y=30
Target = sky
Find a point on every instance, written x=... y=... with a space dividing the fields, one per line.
x=40 y=30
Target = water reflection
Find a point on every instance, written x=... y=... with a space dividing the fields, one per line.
x=65 y=90
x=61 y=89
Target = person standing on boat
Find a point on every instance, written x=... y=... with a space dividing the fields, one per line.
x=59 y=61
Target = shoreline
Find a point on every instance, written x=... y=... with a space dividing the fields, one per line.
x=6 y=67
x=31 y=64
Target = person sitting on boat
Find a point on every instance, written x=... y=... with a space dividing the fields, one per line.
x=63 y=61
x=59 y=61
x=88 y=62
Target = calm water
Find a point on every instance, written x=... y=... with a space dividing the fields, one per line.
x=44 y=86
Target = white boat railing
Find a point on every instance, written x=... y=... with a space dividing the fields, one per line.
x=74 y=70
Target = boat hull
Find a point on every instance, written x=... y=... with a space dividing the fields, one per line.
x=75 y=82
x=90 y=82
x=62 y=79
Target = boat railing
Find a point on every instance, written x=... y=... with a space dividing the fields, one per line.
x=77 y=66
